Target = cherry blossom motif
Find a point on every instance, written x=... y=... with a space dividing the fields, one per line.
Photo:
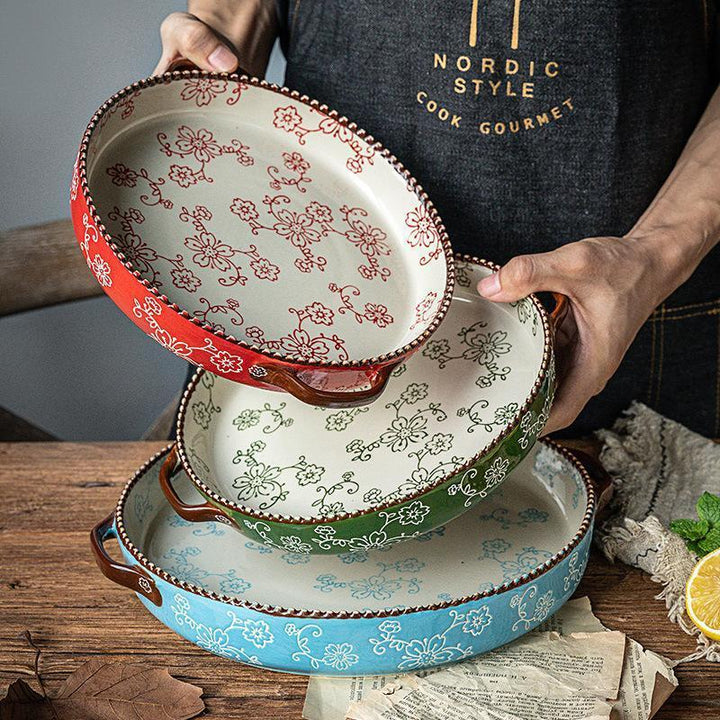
x=152 y=305
x=101 y=270
x=295 y=163
x=210 y=252
x=150 y=311
x=202 y=146
x=143 y=257
x=289 y=119
x=423 y=233
x=203 y=90
x=123 y=176
x=286 y=118
x=264 y=269
x=137 y=252
x=331 y=126
x=185 y=279
x=320 y=213
x=369 y=240
x=299 y=342
x=244 y=209
x=319 y=314
x=297 y=227
x=305 y=228
x=225 y=362
x=376 y=314
x=424 y=309
x=183 y=175
x=171 y=343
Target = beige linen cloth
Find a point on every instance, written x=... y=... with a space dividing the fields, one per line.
x=660 y=469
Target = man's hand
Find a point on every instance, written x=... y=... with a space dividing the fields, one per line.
x=220 y=35
x=613 y=285
x=187 y=36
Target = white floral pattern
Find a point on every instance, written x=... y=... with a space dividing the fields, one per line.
x=219 y=639
x=421 y=652
x=340 y=656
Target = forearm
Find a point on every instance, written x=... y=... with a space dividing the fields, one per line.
x=250 y=26
x=682 y=224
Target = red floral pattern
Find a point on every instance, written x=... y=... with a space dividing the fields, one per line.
x=210 y=256
x=376 y=314
x=203 y=90
x=289 y=119
x=425 y=309
x=202 y=146
x=423 y=233
x=295 y=163
x=123 y=176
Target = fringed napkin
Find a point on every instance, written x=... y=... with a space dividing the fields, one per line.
x=660 y=469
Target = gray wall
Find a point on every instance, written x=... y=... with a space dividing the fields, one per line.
x=81 y=371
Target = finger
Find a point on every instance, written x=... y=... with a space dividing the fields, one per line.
x=164 y=63
x=519 y=277
x=185 y=36
x=580 y=383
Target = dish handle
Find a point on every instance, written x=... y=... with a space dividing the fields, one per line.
x=287 y=379
x=180 y=64
x=602 y=482
x=192 y=513
x=558 y=313
x=129 y=576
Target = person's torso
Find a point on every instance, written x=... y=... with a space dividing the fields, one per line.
x=530 y=124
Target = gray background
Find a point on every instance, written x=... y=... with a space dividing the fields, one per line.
x=81 y=371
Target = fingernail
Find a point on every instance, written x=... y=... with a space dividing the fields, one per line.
x=222 y=59
x=489 y=286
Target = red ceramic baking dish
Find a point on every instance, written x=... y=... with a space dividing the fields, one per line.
x=259 y=235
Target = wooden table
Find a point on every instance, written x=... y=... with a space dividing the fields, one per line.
x=53 y=493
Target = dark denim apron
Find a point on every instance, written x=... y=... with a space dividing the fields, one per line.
x=533 y=124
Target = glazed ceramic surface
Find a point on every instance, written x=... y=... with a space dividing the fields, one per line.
x=477 y=583
x=453 y=422
x=244 y=212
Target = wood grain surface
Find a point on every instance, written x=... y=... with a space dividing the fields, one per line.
x=41 y=265
x=53 y=493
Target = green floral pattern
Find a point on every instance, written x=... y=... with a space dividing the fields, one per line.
x=438 y=506
x=251 y=417
x=371 y=476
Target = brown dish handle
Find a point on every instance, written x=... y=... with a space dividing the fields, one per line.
x=286 y=379
x=180 y=64
x=558 y=313
x=602 y=481
x=129 y=576
x=192 y=513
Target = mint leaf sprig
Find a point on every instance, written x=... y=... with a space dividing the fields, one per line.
x=701 y=536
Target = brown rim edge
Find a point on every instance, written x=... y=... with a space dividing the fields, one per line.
x=412 y=184
x=292 y=520
x=356 y=614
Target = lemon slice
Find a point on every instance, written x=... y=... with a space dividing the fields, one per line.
x=702 y=595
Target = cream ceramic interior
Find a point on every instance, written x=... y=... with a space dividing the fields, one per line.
x=533 y=516
x=451 y=399
x=266 y=219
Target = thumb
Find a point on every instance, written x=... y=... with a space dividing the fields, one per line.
x=518 y=278
x=185 y=36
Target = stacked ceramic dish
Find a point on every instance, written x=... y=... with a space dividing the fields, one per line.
x=388 y=507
